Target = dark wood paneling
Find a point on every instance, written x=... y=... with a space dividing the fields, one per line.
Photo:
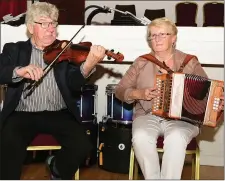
x=71 y=12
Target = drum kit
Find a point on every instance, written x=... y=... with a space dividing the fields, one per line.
x=113 y=139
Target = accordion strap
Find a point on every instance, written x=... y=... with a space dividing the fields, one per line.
x=185 y=62
x=157 y=62
x=164 y=66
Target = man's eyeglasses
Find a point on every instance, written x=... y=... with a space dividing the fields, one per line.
x=160 y=35
x=45 y=25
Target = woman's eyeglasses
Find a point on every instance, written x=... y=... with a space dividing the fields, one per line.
x=160 y=35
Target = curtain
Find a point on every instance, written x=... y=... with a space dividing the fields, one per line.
x=13 y=7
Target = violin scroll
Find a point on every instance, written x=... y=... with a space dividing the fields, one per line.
x=118 y=56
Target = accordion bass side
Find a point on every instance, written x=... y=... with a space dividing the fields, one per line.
x=188 y=97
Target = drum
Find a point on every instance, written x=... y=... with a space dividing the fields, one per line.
x=86 y=102
x=117 y=110
x=91 y=129
x=114 y=147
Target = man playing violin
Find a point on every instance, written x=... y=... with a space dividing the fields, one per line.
x=50 y=109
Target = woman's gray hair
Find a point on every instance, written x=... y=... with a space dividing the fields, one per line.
x=40 y=9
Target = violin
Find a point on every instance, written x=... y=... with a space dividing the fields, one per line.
x=76 y=53
x=57 y=52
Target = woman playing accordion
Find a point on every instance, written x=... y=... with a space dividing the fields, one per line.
x=138 y=86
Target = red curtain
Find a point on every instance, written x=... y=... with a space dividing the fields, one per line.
x=13 y=7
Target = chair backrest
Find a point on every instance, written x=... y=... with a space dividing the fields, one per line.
x=186 y=14
x=44 y=140
x=152 y=14
x=213 y=13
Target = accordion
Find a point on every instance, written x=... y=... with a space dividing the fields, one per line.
x=188 y=97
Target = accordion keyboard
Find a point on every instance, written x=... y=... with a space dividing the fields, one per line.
x=188 y=97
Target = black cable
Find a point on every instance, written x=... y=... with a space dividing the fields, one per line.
x=92 y=6
x=93 y=13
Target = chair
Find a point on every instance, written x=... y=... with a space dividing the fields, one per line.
x=121 y=19
x=186 y=13
x=213 y=13
x=46 y=142
x=152 y=14
x=192 y=149
x=2 y=93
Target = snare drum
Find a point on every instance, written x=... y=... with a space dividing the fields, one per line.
x=119 y=111
x=87 y=103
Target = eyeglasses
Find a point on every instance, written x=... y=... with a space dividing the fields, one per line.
x=45 y=25
x=160 y=35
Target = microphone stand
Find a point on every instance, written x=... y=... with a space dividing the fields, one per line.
x=105 y=9
x=140 y=21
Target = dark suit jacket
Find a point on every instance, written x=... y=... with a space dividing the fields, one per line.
x=68 y=77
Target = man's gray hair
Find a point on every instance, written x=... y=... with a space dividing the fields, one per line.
x=40 y=9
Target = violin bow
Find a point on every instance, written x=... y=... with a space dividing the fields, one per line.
x=30 y=88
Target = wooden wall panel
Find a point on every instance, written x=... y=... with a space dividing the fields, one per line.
x=71 y=12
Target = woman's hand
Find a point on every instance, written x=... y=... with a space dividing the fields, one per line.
x=221 y=105
x=148 y=93
x=144 y=94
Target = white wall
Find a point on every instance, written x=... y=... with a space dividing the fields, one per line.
x=212 y=140
x=169 y=7
x=206 y=43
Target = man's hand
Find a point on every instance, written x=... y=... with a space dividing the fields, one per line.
x=96 y=54
x=32 y=72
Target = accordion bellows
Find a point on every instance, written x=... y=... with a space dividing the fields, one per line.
x=188 y=97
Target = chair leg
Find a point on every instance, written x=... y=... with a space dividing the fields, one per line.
x=135 y=170
x=76 y=177
x=131 y=168
x=34 y=154
x=193 y=163
x=197 y=164
x=50 y=152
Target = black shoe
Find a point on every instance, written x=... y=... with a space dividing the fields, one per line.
x=49 y=163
